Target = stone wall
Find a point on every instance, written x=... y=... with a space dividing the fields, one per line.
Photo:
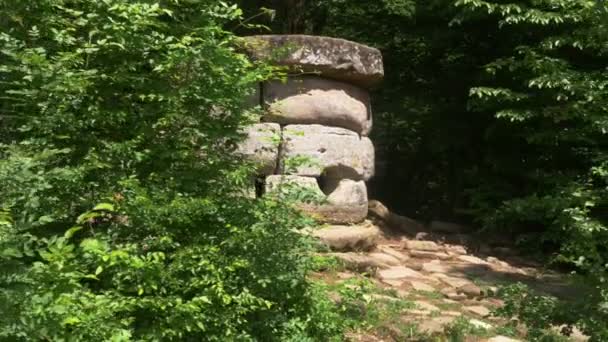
x=315 y=130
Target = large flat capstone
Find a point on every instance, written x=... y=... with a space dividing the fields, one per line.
x=314 y=100
x=262 y=146
x=329 y=57
x=315 y=150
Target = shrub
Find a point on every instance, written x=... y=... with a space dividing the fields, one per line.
x=120 y=216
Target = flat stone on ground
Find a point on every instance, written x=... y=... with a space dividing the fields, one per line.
x=394 y=253
x=472 y=259
x=471 y=290
x=429 y=255
x=434 y=266
x=359 y=262
x=478 y=310
x=453 y=281
x=421 y=286
x=341 y=238
x=421 y=245
x=399 y=272
x=455 y=249
x=384 y=259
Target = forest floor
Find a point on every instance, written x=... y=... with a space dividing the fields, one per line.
x=429 y=287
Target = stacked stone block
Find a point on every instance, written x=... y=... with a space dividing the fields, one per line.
x=316 y=124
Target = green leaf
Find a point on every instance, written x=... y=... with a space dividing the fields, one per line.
x=70 y=232
x=104 y=207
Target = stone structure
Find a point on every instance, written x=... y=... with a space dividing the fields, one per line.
x=314 y=134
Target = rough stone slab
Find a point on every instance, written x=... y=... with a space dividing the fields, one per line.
x=384 y=259
x=330 y=57
x=335 y=214
x=262 y=146
x=472 y=260
x=398 y=222
x=399 y=272
x=429 y=255
x=348 y=237
x=360 y=262
x=346 y=202
x=456 y=250
x=478 y=310
x=434 y=266
x=314 y=100
x=346 y=192
x=470 y=290
x=428 y=246
x=452 y=281
x=396 y=254
x=421 y=286
x=334 y=152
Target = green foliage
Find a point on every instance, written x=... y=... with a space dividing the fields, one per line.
x=550 y=94
x=290 y=191
x=461 y=328
x=542 y=314
x=120 y=217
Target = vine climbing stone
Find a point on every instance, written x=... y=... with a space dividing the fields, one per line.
x=315 y=127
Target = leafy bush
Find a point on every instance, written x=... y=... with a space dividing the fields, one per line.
x=549 y=97
x=120 y=216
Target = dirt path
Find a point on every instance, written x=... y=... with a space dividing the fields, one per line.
x=443 y=279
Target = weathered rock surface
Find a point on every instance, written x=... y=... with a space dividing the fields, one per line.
x=346 y=192
x=335 y=214
x=360 y=262
x=399 y=272
x=262 y=146
x=330 y=57
x=346 y=202
x=428 y=246
x=314 y=100
x=334 y=152
x=478 y=310
x=422 y=286
x=350 y=238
